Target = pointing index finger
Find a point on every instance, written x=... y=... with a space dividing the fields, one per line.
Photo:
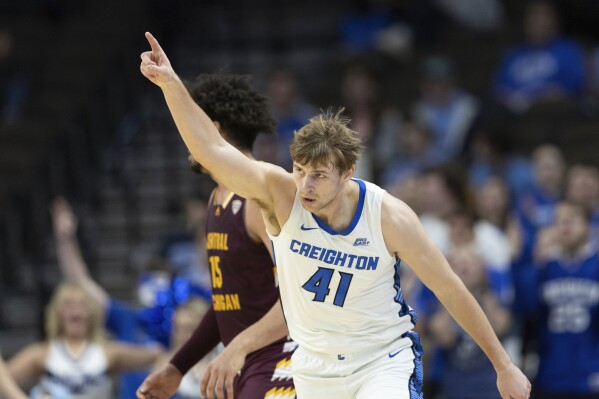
x=156 y=49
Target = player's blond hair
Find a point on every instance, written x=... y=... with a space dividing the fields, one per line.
x=327 y=139
x=54 y=327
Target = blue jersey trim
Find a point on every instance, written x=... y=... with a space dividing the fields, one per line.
x=417 y=377
x=399 y=298
x=355 y=219
x=274 y=256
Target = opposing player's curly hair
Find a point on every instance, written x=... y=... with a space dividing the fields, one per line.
x=232 y=101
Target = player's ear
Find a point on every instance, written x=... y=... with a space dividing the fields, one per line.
x=348 y=174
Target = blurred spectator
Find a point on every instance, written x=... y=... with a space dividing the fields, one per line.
x=491 y=155
x=546 y=67
x=376 y=123
x=267 y=149
x=290 y=111
x=183 y=251
x=186 y=318
x=535 y=206
x=563 y=297
x=582 y=187
x=482 y=15
x=406 y=187
x=444 y=191
x=535 y=209
x=489 y=242
x=373 y=26
x=444 y=109
x=594 y=80
x=8 y=387
x=467 y=373
x=413 y=153
x=146 y=325
x=75 y=360
x=13 y=83
x=449 y=221
x=492 y=201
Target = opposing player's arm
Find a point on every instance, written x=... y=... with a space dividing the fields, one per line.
x=123 y=356
x=222 y=370
x=27 y=366
x=248 y=178
x=272 y=325
x=405 y=237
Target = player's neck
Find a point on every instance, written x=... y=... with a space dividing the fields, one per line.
x=339 y=213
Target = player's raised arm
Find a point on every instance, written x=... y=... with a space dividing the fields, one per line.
x=405 y=236
x=246 y=177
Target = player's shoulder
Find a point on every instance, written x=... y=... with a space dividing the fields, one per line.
x=393 y=206
x=275 y=172
x=396 y=214
x=280 y=182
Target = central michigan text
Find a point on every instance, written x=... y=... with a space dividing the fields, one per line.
x=332 y=257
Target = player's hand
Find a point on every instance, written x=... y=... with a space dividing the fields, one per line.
x=221 y=372
x=64 y=221
x=155 y=65
x=512 y=383
x=161 y=384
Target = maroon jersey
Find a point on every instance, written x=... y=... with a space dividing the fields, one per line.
x=244 y=289
x=244 y=286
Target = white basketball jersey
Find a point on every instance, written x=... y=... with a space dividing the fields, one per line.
x=85 y=377
x=340 y=290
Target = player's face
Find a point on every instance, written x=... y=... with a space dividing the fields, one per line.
x=318 y=186
x=572 y=228
x=184 y=325
x=74 y=314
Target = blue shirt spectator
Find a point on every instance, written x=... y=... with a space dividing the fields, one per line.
x=444 y=108
x=544 y=67
x=564 y=297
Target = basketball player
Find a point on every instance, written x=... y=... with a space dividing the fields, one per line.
x=246 y=313
x=75 y=361
x=8 y=387
x=337 y=244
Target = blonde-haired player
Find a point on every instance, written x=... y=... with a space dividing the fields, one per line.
x=337 y=243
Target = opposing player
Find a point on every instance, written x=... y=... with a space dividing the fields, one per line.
x=337 y=243
x=246 y=313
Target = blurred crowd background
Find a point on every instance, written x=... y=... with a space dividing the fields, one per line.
x=483 y=115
